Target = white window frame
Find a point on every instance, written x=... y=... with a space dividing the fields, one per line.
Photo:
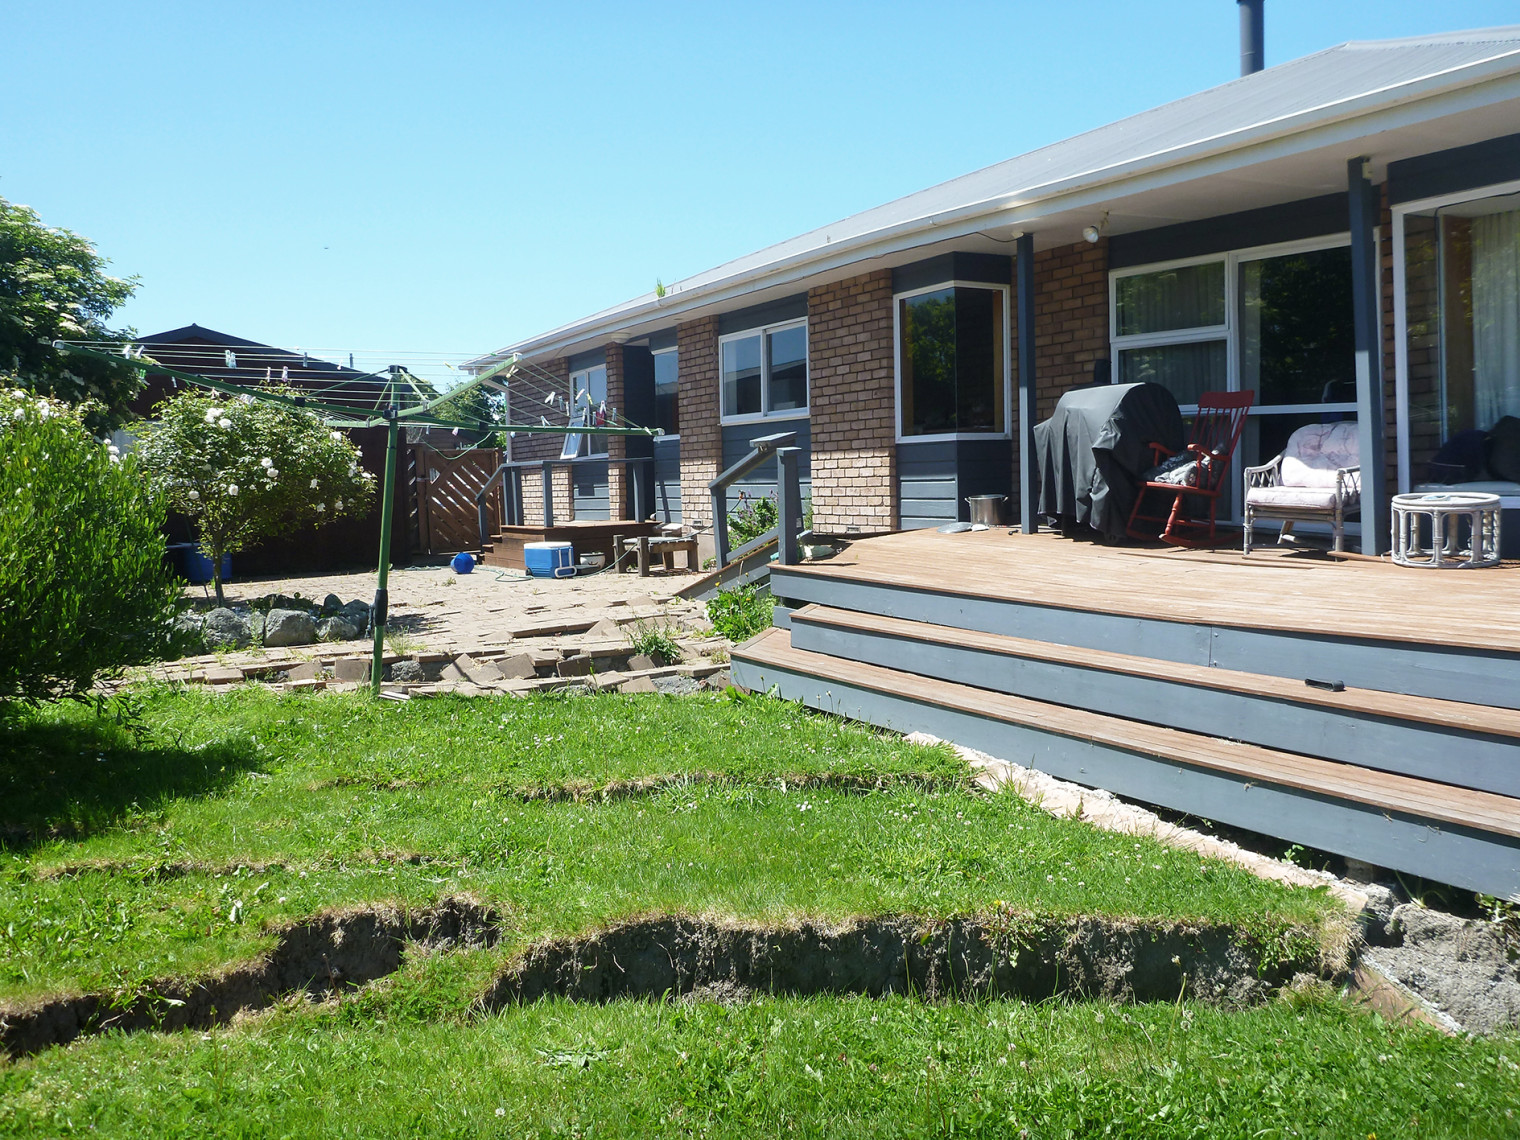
x=1006 y=432
x=1229 y=332
x=1401 y=316
x=672 y=351
x=581 y=378
x=765 y=413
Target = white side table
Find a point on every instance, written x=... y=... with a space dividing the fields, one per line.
x=1446 y=530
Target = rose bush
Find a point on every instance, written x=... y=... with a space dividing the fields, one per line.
x=243 y=470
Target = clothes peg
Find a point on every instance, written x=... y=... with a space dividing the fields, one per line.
x=285 y=373
x=230 y=357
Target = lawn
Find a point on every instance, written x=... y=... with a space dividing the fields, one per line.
x=180 y=833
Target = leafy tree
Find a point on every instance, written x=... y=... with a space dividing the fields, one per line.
x=83 y=587
x=53 y=286
x=245 y=469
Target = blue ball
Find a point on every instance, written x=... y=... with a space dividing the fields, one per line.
x=463 y=562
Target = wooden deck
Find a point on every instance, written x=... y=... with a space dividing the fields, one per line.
x=1271 y=590
x=1343 y=703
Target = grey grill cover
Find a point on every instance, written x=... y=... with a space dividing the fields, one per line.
x=1090 y=454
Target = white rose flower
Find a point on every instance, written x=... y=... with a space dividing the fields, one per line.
x=212 y=415
x=266 y=462
x=224 y=423
x=321 y=507
x=337 y=437
x=232 y=488
x=19 y=414
x=273 y=474
x=313 y=484
x=337 y=504
x=194 y=494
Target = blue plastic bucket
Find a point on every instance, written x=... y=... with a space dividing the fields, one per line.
x=198 y=567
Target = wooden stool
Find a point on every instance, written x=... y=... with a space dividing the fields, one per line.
x=664 y=548
x=1447 y=511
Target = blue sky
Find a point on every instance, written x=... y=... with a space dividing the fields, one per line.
x=453 y=176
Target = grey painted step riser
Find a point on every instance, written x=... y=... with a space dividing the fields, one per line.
x=1473 y=676
x=1411 y=748
x=1475 y=860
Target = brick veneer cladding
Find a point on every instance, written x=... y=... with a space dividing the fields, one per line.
x=851 y=400
x=1071 y=329
x=528 y=410
x=617 y=446
x=697 y=411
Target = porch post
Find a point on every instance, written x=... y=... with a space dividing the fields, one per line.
x=1369 y=354
x=1025 y=445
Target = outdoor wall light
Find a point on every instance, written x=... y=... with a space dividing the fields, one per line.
x=1091 y=233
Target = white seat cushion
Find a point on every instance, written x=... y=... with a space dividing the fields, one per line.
x=1315 y=452
x=1299 y=498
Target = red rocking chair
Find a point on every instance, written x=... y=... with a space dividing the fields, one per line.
x=1199 y=469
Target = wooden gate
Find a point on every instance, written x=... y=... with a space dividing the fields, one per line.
x=444 y=484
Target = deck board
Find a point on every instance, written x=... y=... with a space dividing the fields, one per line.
x=1270 y=590
x=1394 y=706
x=1484 y=811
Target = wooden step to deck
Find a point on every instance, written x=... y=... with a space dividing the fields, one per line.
x=1456 y=835
x=1471 y=746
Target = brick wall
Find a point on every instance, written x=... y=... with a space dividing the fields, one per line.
x=618 y=492
x=528 y=409
x=697 y=410
x=851 y=394
x=1071 y=329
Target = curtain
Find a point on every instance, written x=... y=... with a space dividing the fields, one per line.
x=1496 y=316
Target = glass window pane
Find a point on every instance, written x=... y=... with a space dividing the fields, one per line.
x=978 y=360
x=741 y=377
x=1493 y=302
x=786 y=351
x=1297 y=341
x=927 y=332
x=666 y=408
x=591 y=385
x=1187 y=370
x=1189 y=297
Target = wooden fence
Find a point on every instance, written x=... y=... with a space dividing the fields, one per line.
x=442 y=515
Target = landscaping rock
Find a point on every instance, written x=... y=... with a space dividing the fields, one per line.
x=305 y=671
x=339 y=627
x=677 y=686
x=351 y=669
x=638 y=685
x=574 y=667
x=405 y=671
x=289 y=627
x=331 y=605
x=227 y=629
x=256 y=622
x=640 y=662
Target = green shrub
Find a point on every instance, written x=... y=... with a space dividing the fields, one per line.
x=83 y=586
x=655 y=641
x=740 y=614
x=751 y=518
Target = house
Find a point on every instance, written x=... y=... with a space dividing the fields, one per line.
x=1339 y=234
x=338 y=544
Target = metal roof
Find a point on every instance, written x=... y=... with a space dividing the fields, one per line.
x=1333 y=85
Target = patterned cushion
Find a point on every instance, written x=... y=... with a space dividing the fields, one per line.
x=1314 y=498
x=1314 y=452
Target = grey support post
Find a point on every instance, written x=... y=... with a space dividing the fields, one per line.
x=1025 y=444
x=789 y=504
x=548 y=494
x=1369 y=354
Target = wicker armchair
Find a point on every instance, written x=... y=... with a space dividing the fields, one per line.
x=1317 y=478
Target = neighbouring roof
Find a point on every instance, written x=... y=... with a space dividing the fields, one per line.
x=200 y=350
x=1333 y=86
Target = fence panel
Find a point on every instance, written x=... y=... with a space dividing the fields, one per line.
x=445 y=485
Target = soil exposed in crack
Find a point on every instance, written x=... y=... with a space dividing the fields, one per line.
x=331 y=952
x=845 y=784
x=960 y=958
x=998 y=955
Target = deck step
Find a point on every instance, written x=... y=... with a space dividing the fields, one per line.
x=1457 y=835
x=1471 y=746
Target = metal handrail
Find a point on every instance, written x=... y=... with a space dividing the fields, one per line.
x=514 y=504
x=788 y=494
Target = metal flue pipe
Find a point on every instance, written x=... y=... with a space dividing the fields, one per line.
x=1253 y=50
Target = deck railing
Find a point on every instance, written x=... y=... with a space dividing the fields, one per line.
x=510 y=474
x=788 y=497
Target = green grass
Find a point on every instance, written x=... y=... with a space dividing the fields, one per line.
x=180 y=845
x=265 y=809
x=408 y=1058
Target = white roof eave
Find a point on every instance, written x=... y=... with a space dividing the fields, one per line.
x=1310 y=129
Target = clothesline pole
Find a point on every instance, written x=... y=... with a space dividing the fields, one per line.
x=379 y=614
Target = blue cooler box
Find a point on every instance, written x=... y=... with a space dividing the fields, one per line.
x=549 y=559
